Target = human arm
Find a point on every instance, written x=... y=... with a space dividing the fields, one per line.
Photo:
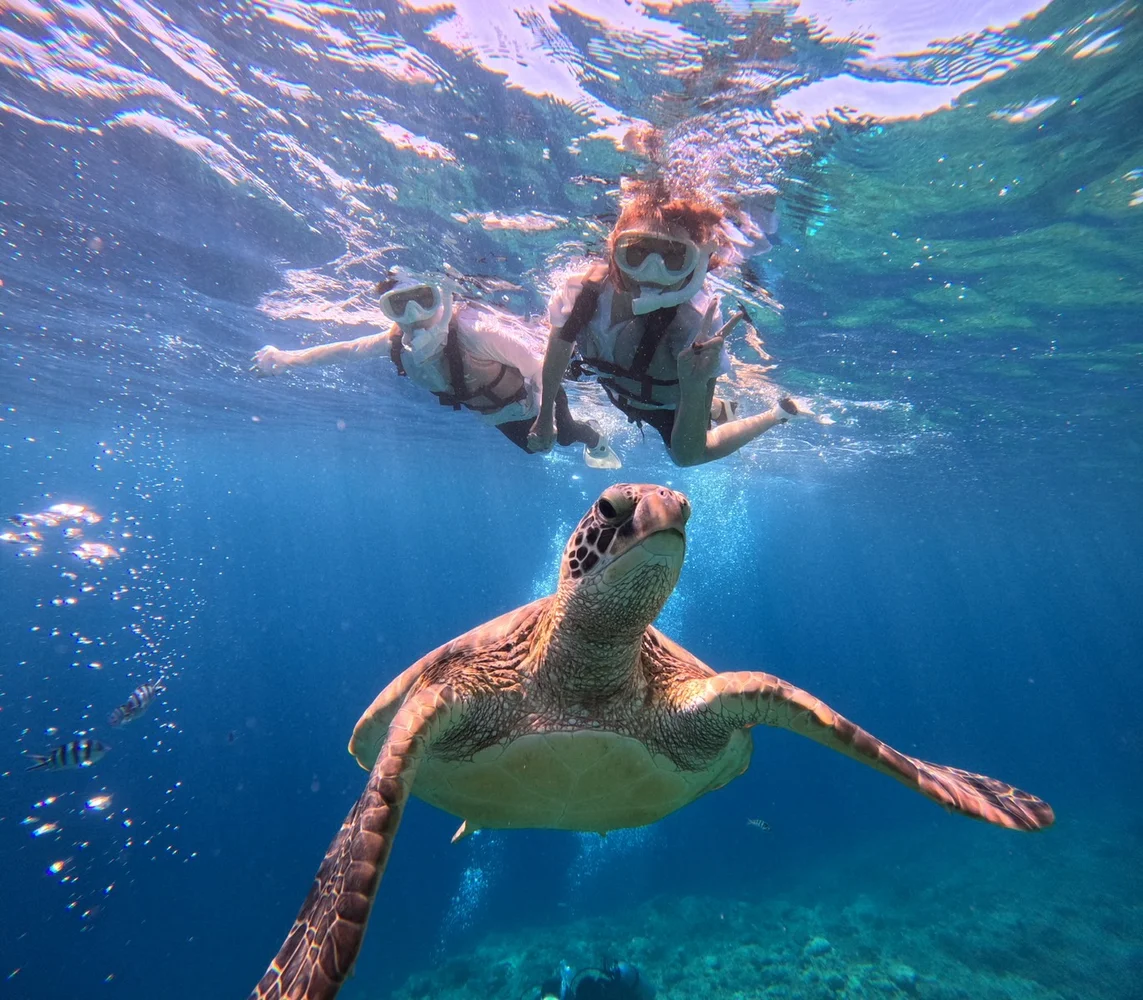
x=700 y=363
x=556 y=359
x=693 y=440
x=271 y=360
x=568 y=311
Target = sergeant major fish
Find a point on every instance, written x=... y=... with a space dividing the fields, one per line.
x=136 y=705
x=67 y=756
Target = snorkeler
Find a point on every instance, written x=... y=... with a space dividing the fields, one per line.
x=464 y=353
x=619 y=981
x=646 y=326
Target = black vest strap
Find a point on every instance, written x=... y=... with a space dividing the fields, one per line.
x=655 y=326
x=654 y=329
x=460 y=396
x=455 y=363
x=395 y=353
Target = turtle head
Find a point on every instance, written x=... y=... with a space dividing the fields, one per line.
x=623 y=559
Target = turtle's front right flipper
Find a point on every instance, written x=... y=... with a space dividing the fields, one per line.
x=322 y=946
x=743 y=699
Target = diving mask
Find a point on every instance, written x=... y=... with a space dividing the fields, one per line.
x=408 y=303
x=655 y=263
x=652 y=258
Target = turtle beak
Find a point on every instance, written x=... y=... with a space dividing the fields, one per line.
x=655 y=536
x=661 y=509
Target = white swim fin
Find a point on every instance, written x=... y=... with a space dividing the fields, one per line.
x=601 y=457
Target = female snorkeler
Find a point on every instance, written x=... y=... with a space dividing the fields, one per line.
x=643 y=322
x=465 y=353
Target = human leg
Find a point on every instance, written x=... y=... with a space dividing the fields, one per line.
x=568 y=429
x=597 y=453
x=516 y=431
x=728 y=437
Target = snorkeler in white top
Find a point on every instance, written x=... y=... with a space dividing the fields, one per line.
x=462 y=351
x=645 y=325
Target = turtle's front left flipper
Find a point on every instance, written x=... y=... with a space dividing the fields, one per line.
x=322 y=946
x=742 y=699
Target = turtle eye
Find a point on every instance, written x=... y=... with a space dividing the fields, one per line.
x=614 y=505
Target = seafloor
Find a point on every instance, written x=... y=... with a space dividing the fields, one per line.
x=1055 y=916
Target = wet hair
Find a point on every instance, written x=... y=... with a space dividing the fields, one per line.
x=650 y=204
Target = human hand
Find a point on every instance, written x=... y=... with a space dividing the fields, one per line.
x=701 y=360
x=270 y=361
x=788 y=409
x=543 y=434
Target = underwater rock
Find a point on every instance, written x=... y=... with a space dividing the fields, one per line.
x=816 y=947
x=904 y=977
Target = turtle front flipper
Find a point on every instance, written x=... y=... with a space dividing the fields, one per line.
x=322 y=946
x=742 y=699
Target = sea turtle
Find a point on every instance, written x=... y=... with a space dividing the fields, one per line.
x=573 y=713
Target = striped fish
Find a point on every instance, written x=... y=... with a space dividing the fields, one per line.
x=67 y=756
x=135 y=706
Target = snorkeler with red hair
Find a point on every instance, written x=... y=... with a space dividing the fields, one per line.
x=644 y=324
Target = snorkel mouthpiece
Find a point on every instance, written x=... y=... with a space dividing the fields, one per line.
x=652 y=297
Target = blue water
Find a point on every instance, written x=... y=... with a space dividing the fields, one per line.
x=954 y=562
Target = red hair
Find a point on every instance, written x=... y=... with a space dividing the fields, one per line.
x=650 y=205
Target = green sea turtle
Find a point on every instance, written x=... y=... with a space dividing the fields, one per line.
x=573 y=713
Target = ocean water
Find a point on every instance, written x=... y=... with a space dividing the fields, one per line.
x=956 y=282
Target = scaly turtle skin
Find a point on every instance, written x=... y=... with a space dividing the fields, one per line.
x=574 y=713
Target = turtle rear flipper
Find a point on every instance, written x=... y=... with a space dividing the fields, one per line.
x=321 y=949
x=743 y=699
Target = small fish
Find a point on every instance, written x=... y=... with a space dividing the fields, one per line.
x=760 y=824
x=77 y=753
x=136 y=705
x=584 y=179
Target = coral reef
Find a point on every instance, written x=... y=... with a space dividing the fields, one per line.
x=1051 y=918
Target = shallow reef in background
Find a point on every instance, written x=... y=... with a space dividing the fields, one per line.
x=1051 y=917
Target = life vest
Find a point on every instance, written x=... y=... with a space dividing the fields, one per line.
x=655 y=325
x=460 y=395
